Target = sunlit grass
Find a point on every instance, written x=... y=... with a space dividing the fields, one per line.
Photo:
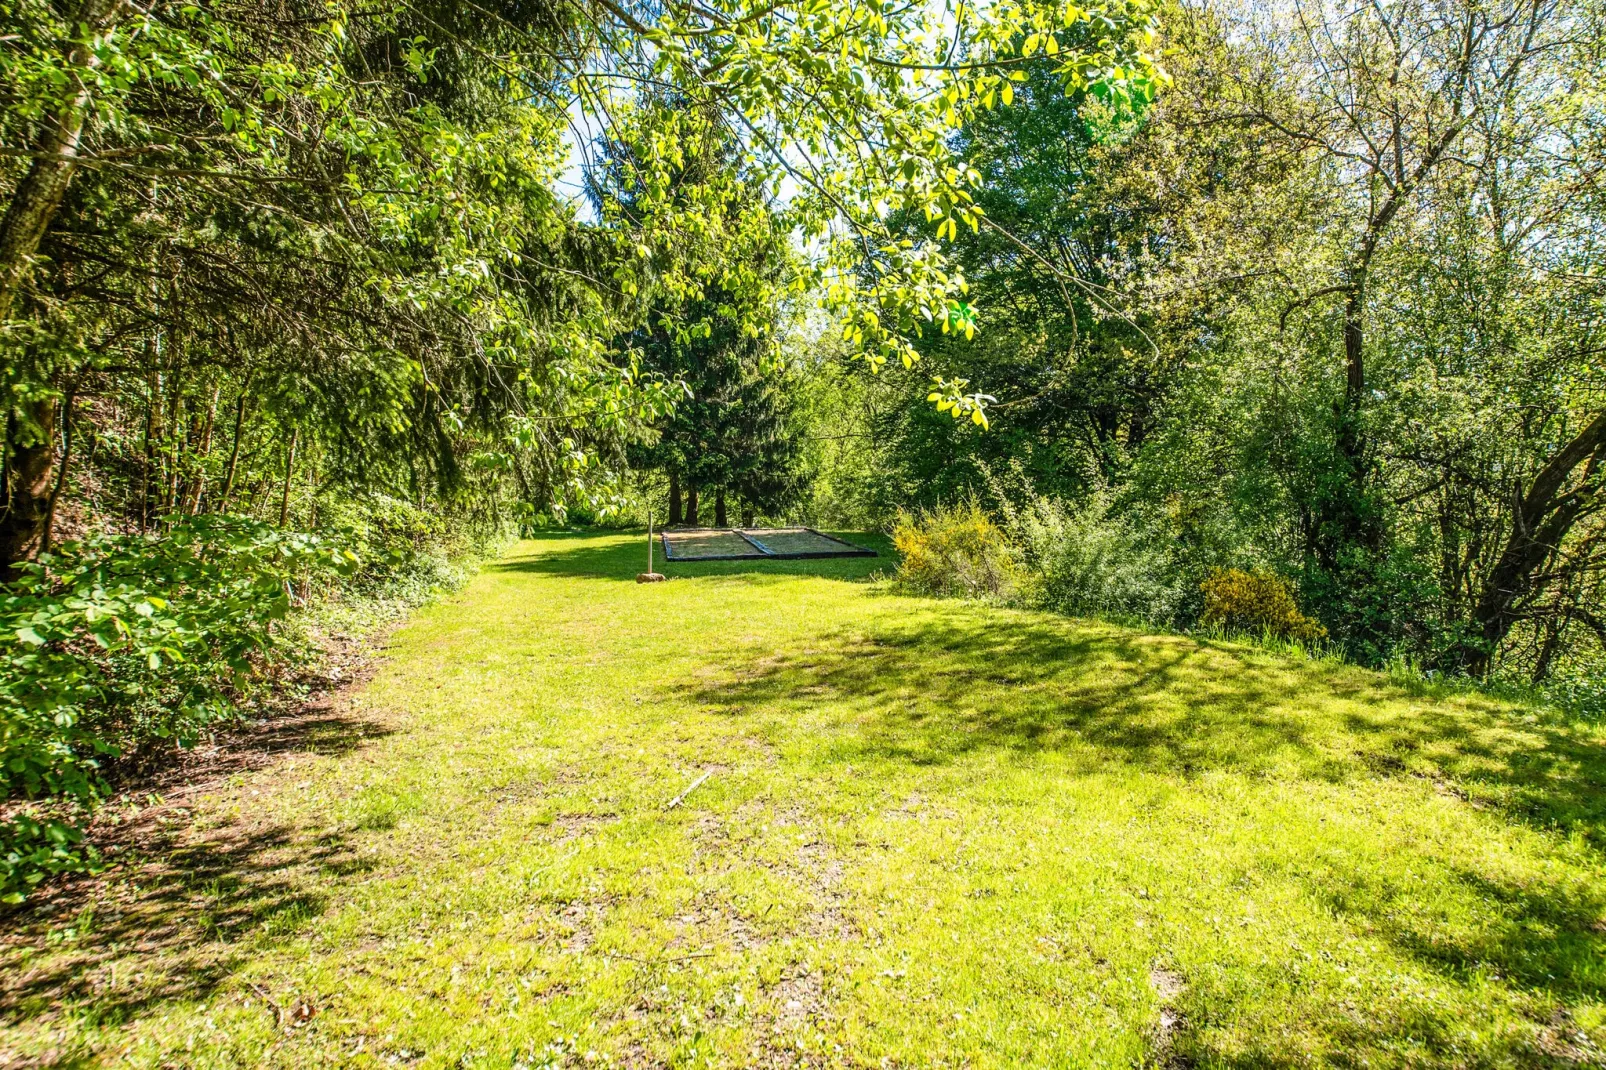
x=934 y=833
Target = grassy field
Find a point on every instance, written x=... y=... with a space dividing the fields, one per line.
x=922 y=834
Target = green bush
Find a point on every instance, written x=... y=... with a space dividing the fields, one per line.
x=1256 y=602
x=406 y=553
x=31 y=850
x=1088 y=562
x=116 y=642
x=955 y=550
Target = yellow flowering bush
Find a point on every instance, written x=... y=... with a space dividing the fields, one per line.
x=955 y=550
x=1239 y=600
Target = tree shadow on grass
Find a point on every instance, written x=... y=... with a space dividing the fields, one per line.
x=938 y=690
x=934 y=692
x=183 y=905
x=623 y=556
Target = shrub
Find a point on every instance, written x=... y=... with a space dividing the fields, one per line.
x=406 y=553
x=31 y=850
x=955 y=550
x=1579 y=688
x=118 y=641
x=1256 y=602
x=1086 y=561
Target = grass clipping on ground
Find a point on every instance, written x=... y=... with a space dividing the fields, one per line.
x=929 y=833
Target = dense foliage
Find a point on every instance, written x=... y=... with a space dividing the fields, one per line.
x=121 y=640
x=1329 y=309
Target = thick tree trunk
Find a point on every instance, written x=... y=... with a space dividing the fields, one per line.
x=1541 y=521
x=31 y=475
x=1351 y=444
x=1342 y=516
x=1355 y=338
x=1348 y=515
x=39 y=194
x=674 y=499
x=720 y=519
x=692 y=519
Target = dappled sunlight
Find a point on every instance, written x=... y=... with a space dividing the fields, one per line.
x=832 y=823
x=975 y=678
x=962 y=685
x=193 y=897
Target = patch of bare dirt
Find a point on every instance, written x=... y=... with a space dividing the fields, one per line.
x=1168 y=985
x=579 y=921
x=792 y=1015
x=1562 y=1040
x=707 y=920
x=821 y=869
x=566 y=828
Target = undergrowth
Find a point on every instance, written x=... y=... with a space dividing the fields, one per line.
x=116 y=647
x=1089 y=562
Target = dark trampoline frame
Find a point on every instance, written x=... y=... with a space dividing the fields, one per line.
x=764 y=552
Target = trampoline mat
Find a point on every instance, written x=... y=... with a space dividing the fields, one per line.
x=706 y=543
x=719 y=544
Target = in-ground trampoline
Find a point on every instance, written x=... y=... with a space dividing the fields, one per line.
x=755 y=544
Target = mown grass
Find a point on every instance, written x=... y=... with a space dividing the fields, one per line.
x=934 y=834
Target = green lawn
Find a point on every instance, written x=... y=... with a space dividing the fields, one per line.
x=933 y=834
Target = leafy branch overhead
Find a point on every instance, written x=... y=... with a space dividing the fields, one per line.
x=419 y=147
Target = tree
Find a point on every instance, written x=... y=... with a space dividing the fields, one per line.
x=1163 y=321
x=1102 y=267
x=732 y=432
x=1387 y=96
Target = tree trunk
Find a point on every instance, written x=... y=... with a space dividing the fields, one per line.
x=39 y=193
x=30 y=471
x=1355 y=337
x=289 y=470
x=148 y=468
x=747 y=514
x=720 y=520
x=1350 y=444
x=205 y=452
x=234 y=451
x=1347 y=518
x=176 y=436
x=1341 y=515
x=178 y=432
x=691 y=506
x=48 y=532
x=1548 y=649
x=1540 y=522
x=674 y=498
